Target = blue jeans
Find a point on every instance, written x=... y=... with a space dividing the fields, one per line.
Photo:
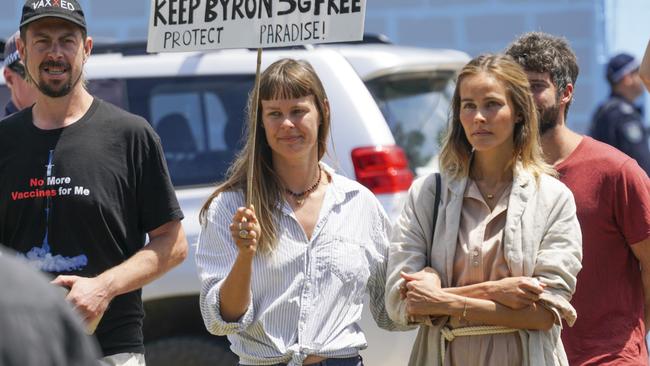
x=350 y=361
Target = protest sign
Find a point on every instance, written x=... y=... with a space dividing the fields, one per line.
x=196 y=25
x=191 y=25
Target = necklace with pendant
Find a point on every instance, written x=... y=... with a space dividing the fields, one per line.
x=500 y=192
x=301 y=196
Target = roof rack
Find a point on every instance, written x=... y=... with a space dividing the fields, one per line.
x=134 y=48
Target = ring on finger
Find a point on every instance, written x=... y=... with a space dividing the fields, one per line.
x=243 y=234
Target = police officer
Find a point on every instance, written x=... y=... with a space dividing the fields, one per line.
x=23 y=94
x=618 y=122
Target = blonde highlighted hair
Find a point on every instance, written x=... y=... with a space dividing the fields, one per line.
x=456 y=153
x=284 y=79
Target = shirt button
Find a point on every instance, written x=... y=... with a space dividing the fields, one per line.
x=476 y=252
x=475 y=263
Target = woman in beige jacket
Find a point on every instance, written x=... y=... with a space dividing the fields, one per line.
x=506 y=247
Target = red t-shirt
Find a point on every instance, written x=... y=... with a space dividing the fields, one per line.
x=612 y=194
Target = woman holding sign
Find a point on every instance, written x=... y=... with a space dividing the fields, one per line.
x=285 y=280
x=505 y=247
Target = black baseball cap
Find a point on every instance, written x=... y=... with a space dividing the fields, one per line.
x=69 y=10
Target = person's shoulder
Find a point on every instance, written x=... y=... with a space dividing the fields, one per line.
x=550 y=186
x=358 y=195
x=604 y=156
x=625 y=108
x=608 y=162
x=632 y=173
x=346 y=183
x=120 y=118
x=228 y=201
x=14 y=120
x=349 y=187
x=618 y=108
x=428 y=181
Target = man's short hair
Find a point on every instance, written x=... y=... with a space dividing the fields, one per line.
x=542 y=52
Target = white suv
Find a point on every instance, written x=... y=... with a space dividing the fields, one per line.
x=385 y=100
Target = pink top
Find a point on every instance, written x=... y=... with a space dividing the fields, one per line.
x=480 y=257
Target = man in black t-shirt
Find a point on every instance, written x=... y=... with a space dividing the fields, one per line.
x=82 y=183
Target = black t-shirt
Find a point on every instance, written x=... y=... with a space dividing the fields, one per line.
x=80 y=200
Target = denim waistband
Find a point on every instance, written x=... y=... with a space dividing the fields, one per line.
x=350 y=361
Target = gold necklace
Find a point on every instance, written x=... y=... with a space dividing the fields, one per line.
x=301 y=196
x=491 y=196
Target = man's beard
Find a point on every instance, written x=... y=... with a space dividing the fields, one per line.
x=64 y=88
x=49 y=90
x=548 y=117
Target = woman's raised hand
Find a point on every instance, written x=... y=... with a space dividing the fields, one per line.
x=515 y=292
x=245 y=229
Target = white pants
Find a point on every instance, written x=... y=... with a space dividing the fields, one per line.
x=123 y=359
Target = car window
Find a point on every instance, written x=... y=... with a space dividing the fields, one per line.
x=416 y=107
x=200 y=120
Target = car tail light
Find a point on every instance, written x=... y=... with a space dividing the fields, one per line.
x=383 y=169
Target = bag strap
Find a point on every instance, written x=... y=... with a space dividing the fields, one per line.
x=436 y=203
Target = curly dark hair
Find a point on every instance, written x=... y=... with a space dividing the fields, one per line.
x=542 y=52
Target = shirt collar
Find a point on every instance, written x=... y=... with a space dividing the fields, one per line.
x=521 y=178
x=341 y=186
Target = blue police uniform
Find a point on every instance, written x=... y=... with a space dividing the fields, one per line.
x=619 y=123
x=10 y=108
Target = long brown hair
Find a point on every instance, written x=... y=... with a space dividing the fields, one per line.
x=456 y=153
x=284 y=79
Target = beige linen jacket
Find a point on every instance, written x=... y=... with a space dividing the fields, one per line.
x=542 y=239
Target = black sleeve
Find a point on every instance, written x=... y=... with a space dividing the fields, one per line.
x=156 y=197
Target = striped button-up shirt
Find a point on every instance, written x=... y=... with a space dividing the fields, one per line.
x=307 y=295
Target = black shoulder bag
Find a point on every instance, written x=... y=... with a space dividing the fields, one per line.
x=435 y=217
